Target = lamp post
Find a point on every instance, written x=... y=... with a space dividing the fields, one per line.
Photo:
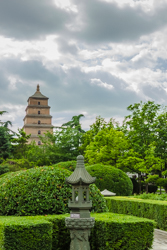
x=80 y=221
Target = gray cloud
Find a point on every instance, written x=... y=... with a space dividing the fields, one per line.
x=31 y=19
x=65 y=47
x=106 y=22
x=68 y=91
x=97 y=21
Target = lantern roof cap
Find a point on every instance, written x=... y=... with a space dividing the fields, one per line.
x=80 y=174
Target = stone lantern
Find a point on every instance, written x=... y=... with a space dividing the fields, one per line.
x=80 y=221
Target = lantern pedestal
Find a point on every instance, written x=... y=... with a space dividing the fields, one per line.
x=79 y=232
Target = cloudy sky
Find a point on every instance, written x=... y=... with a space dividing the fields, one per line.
x=94 y=57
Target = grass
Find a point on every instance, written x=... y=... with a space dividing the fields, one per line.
x=152 y=196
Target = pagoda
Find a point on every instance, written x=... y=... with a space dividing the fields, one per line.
x=38 y=119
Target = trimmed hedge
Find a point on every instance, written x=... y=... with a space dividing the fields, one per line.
x=21 y=233
x=151 y=209
x=40 y=191
x=111 y=178
x=111 y=231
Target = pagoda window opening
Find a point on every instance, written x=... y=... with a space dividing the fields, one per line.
x=76 y=195
x=39 y=112
x=84 y=196
x=38 y=103
x=39 y=122
x=39 y=132
x=39 y=142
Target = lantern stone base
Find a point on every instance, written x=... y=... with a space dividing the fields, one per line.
x=79 y=232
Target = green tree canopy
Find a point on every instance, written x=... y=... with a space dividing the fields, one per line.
x=20 y=144
x=97 y=126
x=107 y=147
x=5 y=143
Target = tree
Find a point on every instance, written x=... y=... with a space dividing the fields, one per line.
x=75 y=124
x=61 y=145
x=5 y=138
x=20 y=144
x=97 y=126
x=5 y=124
x=161 y=140
x=140 y=129
x=107 y=147
x=5 y=143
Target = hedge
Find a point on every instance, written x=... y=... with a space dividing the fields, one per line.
x=23 y=233
x=111 y=178
x=111 y=232
x=151 y=209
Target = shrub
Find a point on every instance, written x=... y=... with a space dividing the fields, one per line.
x=40 y=190
x=18 y=164
x=111 y=231
x=152 y=196
x=151 y=209
x=111 y=178
x=4 y=169
x=70 y=165
x=25 y=233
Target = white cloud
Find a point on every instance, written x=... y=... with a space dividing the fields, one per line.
x=98 y=82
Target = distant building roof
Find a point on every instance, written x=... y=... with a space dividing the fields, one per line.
x=105 y=192
x=38 y=94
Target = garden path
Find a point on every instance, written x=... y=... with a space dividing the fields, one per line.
x=160 y=240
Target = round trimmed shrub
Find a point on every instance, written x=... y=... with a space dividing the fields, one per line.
x=70 y=165
x=111 y=178
x=40 y=191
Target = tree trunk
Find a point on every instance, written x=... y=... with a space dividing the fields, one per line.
x=139 y=183
x=146 y=186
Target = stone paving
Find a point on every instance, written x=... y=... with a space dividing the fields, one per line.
x=160 y=240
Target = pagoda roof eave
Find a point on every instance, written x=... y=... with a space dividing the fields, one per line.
x=80 y=176
x=80 y=181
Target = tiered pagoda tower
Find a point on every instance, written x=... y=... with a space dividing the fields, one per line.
x=38 y=119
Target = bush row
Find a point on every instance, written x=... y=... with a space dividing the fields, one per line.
x=111 y=231
x=151 y=209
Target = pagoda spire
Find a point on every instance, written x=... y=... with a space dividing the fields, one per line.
x=38 y=88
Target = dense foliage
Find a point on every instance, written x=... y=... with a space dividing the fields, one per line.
x=5 y=144
x=111 y=178
x=151 y=196
x=50 y=232
x=152 y=209
x=40 y=190
x=4 y=169
x=106 y=147
x=70 y=165
x=138 y=146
